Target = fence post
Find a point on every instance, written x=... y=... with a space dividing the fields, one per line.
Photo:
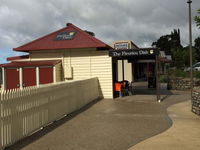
x=3 y=79
x=20 y=78
x=54 y=74
x=37 y=76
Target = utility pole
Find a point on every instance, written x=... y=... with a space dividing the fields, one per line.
x=190 y=45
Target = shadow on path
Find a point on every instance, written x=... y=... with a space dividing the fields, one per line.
x=106 y=125
x=49 y=128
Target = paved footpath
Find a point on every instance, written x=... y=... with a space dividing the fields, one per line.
x=116 y=125
x=183 y=135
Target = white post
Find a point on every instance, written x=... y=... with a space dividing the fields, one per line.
x=54 y=74
x=37 y=76
x=20 y=78
x=190 y=47
x=3 y=79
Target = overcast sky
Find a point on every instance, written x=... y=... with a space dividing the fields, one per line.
x=142 y=21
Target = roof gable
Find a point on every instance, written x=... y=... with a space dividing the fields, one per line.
x=66 y=38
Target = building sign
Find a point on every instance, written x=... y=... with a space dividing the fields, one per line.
x=65 y=35
x=126 y=53
x=121 y=46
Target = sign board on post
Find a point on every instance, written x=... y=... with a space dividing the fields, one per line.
x=126 y=53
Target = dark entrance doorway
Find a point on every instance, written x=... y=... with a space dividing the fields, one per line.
x=144 y=70
x=141 y=70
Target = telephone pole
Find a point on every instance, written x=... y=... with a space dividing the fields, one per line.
x=190 y=45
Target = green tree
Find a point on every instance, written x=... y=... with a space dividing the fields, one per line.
x=186 y=56
x=197 y=48
x=179 y=57
x=169 y=42
x=175 y=39
x=163 y=43
x=197 y=19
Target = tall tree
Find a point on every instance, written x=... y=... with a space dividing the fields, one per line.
x=169 y=42
x=197 y=19
x=175 y=39
x=179 y=57
x=186 y=56
x=163 y=43
x=197 y=47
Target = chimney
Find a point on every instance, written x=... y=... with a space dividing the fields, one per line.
x=68 y=24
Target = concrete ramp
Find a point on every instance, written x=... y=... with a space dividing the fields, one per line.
x=183 y=135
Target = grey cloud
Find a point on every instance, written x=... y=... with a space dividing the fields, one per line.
x=142 y=21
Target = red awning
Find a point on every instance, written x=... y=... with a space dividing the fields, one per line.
x=31 y=63
x=18 y=57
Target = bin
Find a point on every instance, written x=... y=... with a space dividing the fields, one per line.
x=152 y=82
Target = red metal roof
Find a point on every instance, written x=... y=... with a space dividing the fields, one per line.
x=31 y=63
x=17 y=57
x=80 y=40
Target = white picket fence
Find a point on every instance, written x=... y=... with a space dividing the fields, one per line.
x=25 y=111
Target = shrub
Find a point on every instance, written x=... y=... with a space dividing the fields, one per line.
x=178 y=73
x=163 y=79
x=197 y=74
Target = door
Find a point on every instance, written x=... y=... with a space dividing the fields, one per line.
x=12 y=78
x=46 y=74
x=29 y=76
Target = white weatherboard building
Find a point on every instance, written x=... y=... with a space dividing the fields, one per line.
x=73 y=54
x=67 y=54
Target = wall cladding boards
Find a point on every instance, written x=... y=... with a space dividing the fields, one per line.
x=85 y=63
